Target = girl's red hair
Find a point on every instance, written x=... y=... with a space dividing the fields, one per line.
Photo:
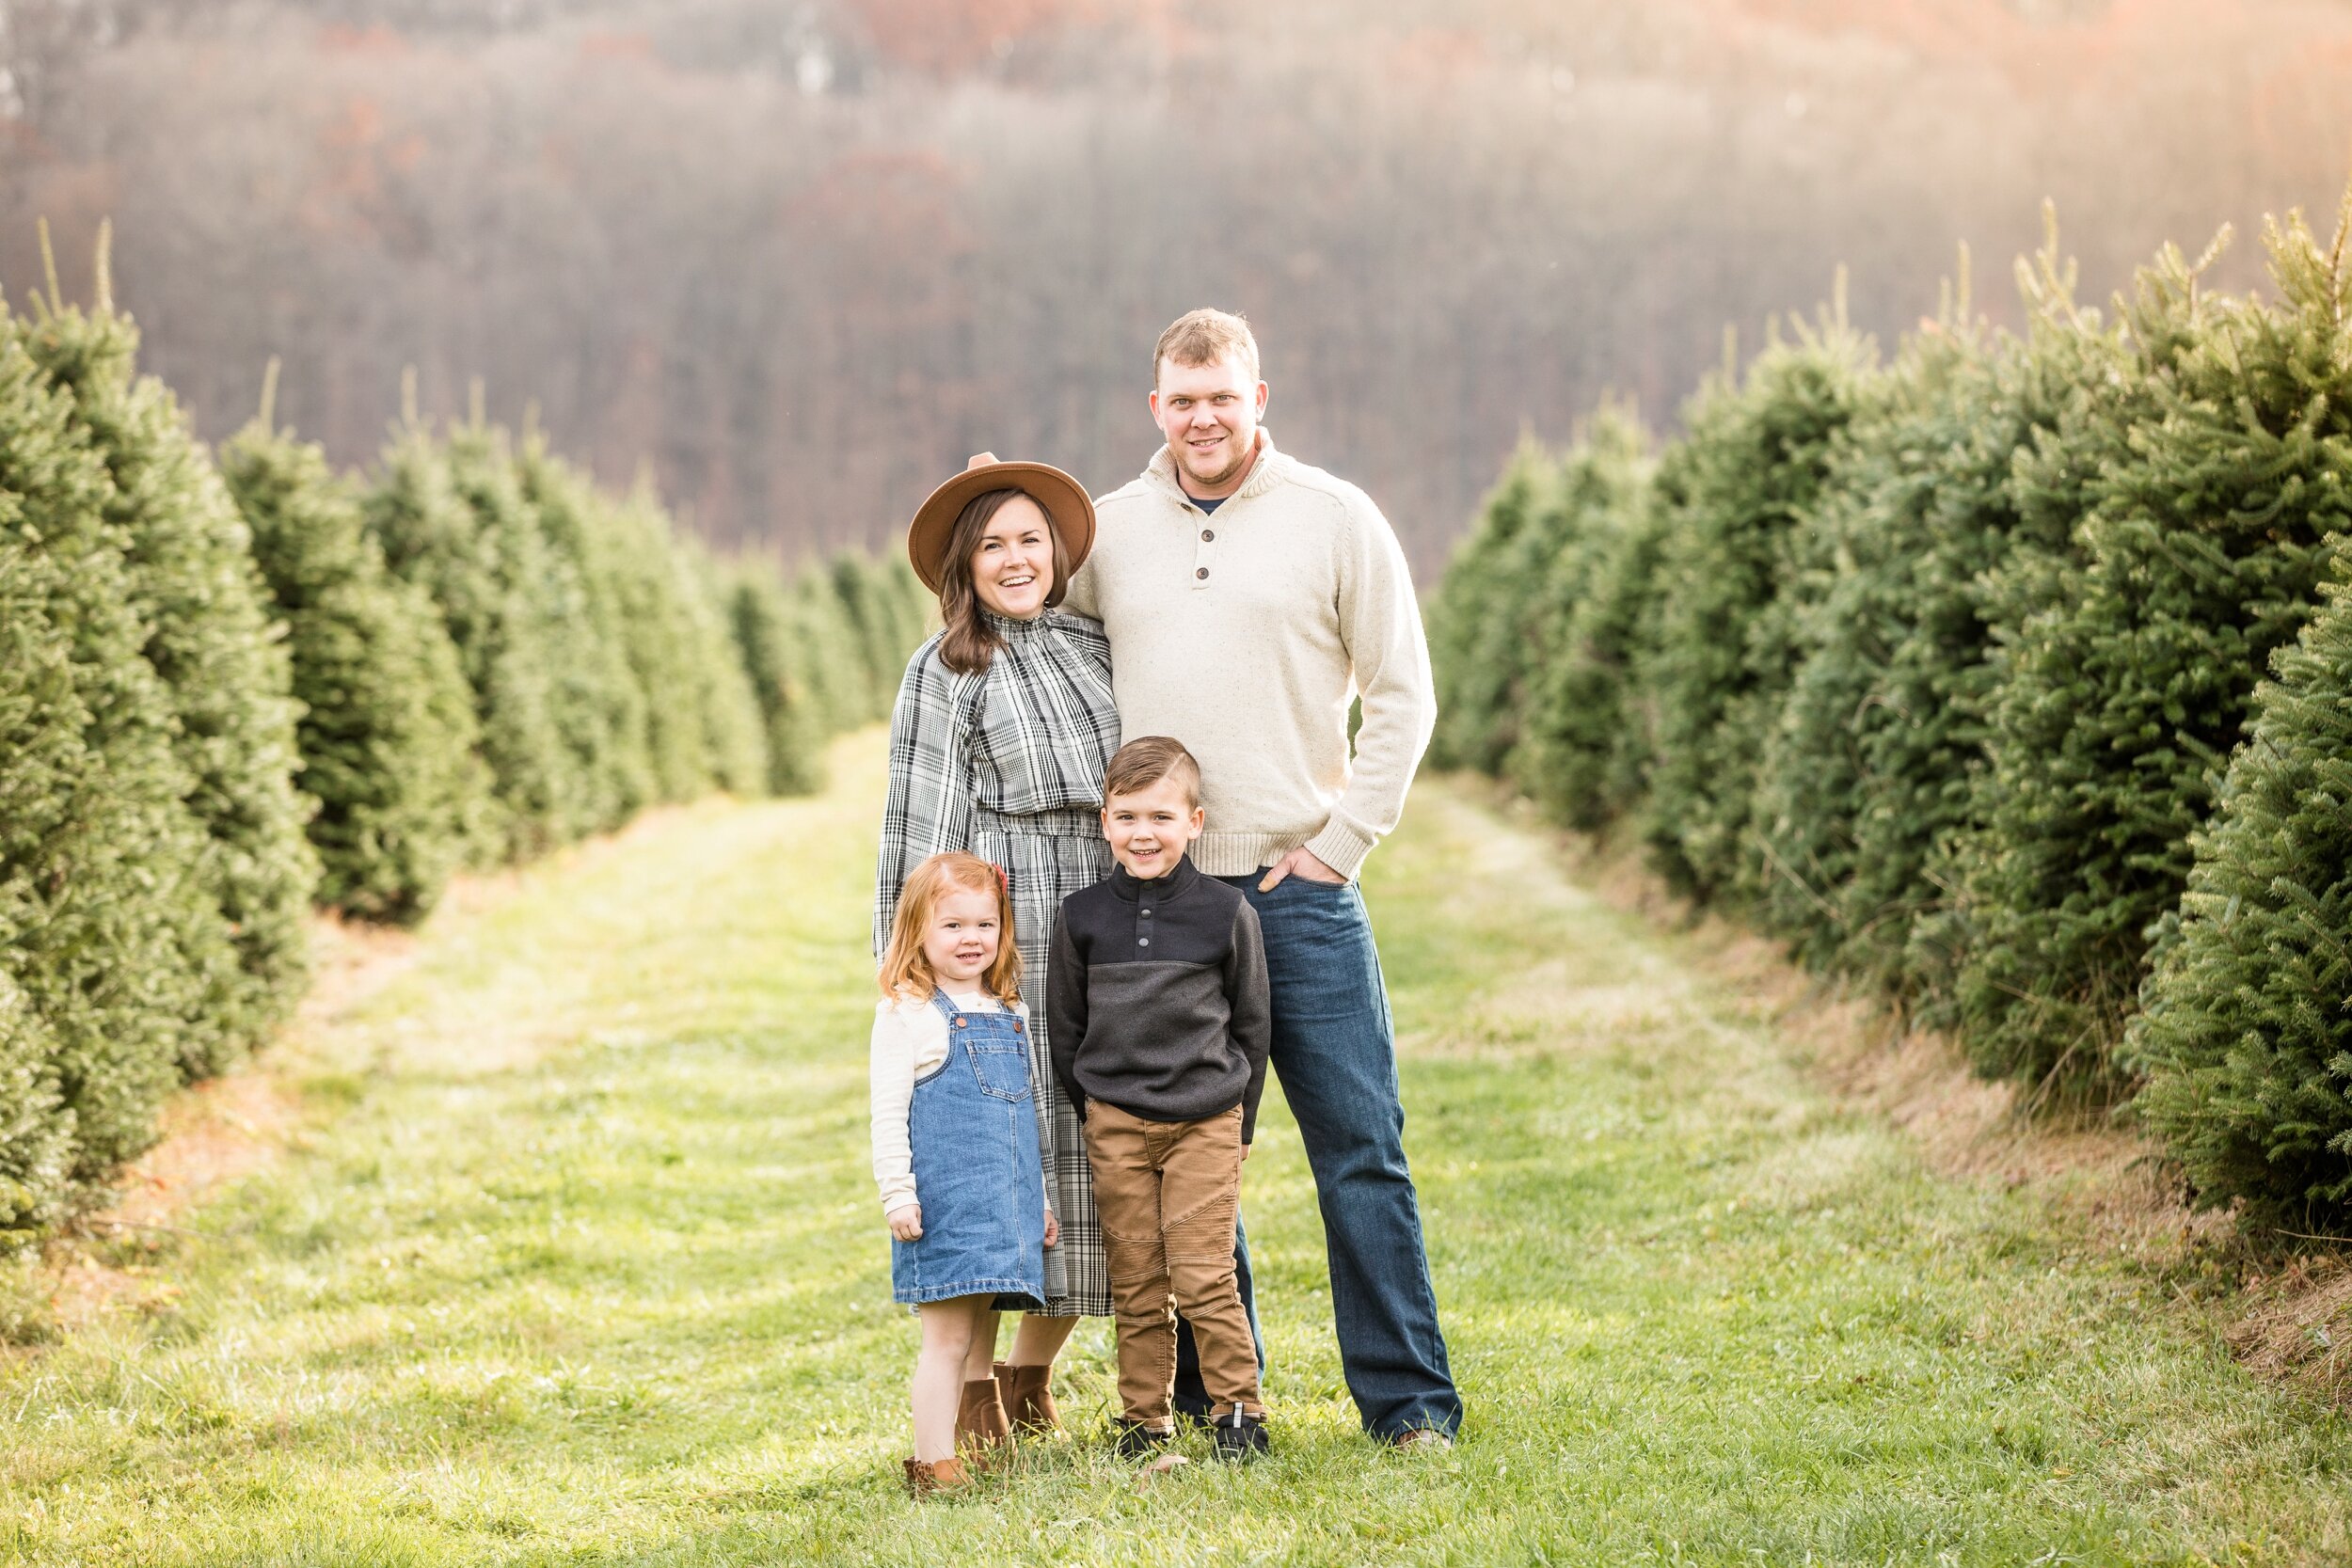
x=905 y=971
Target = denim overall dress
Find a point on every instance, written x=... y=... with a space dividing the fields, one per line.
x=972 y=1128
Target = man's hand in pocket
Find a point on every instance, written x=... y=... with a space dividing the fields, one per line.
x=1301 y=862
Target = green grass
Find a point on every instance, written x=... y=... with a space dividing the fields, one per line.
x=586 y=1267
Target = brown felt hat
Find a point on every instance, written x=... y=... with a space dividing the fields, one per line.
x=1064 y=500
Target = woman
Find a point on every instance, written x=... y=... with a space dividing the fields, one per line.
x=1003 y=726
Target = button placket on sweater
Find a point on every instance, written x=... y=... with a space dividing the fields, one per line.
x=1203 y=544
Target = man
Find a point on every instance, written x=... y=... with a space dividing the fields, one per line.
x=1246 y=597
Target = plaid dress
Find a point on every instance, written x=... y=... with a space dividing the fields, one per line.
x=1008 y=764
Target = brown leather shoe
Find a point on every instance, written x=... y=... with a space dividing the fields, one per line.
x=980 y=1424
x=1028 y=1397
x=940 y=1474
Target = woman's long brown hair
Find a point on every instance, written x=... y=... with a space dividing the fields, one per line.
x=970 y=641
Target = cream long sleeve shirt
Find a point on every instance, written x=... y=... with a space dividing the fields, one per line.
x=909 y=1039
x=1246 y=633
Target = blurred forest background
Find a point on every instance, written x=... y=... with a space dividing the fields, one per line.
x=802 y=256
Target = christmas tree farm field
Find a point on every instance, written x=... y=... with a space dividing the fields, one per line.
x=581 y=1263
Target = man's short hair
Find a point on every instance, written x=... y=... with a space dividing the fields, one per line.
x=1205 y=338
x=1140 y=764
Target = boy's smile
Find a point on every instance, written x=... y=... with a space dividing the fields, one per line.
x=1149 y=829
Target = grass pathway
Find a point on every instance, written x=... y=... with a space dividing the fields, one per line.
x=584 y=1266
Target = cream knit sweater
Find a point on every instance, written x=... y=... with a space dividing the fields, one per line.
x=1246 y=633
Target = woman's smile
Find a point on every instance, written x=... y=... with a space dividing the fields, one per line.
x=1012 y=570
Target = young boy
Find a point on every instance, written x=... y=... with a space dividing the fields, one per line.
x=1157 y=992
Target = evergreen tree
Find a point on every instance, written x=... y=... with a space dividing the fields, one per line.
x=42 y=758
x=1479 y=617
x=834 y=667
x=2218 y=475
x=1739 y=487
x=107 y=929
x=660 y=639
x=2247 y=1033
x=1567 y=700
x=734 y=735
x=542 y=606
x=876 y=659
x=1870 y=770
x=1591 y=747
x=604 y=714
x=388 y=730
x=768 y=645
x=433 y=538
x=918 y=617
x=192 y=578
x=35 y=1137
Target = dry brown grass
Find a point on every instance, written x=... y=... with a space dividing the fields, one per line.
x=2297 y=1325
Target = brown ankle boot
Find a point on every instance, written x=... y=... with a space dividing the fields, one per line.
x=940 y=1474
x=1027 y=1393
x=980 y=1424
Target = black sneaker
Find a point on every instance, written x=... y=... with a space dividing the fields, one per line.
x=1239 y=1435
x=1138 y=1441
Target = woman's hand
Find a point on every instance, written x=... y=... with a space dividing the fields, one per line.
x=906 y=1222
x=1053 y=1230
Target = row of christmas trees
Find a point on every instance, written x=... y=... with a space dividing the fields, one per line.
x=2011 y=677
x=234 y=690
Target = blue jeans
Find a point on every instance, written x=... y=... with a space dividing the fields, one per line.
x=1335 y=1054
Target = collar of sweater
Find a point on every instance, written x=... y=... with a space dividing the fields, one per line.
x=1271 y=470
x=1179 y=879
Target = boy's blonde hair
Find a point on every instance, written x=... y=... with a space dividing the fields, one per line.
x=1144 y=762
x=906 y=971
x=1205 y=338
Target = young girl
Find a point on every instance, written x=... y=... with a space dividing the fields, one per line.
x=956 y=1142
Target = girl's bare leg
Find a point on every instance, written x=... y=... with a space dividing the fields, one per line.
x=1039 y=1340
x=980 y=1360
x=949 y=1330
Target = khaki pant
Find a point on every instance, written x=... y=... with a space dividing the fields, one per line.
x=1168 y=1193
